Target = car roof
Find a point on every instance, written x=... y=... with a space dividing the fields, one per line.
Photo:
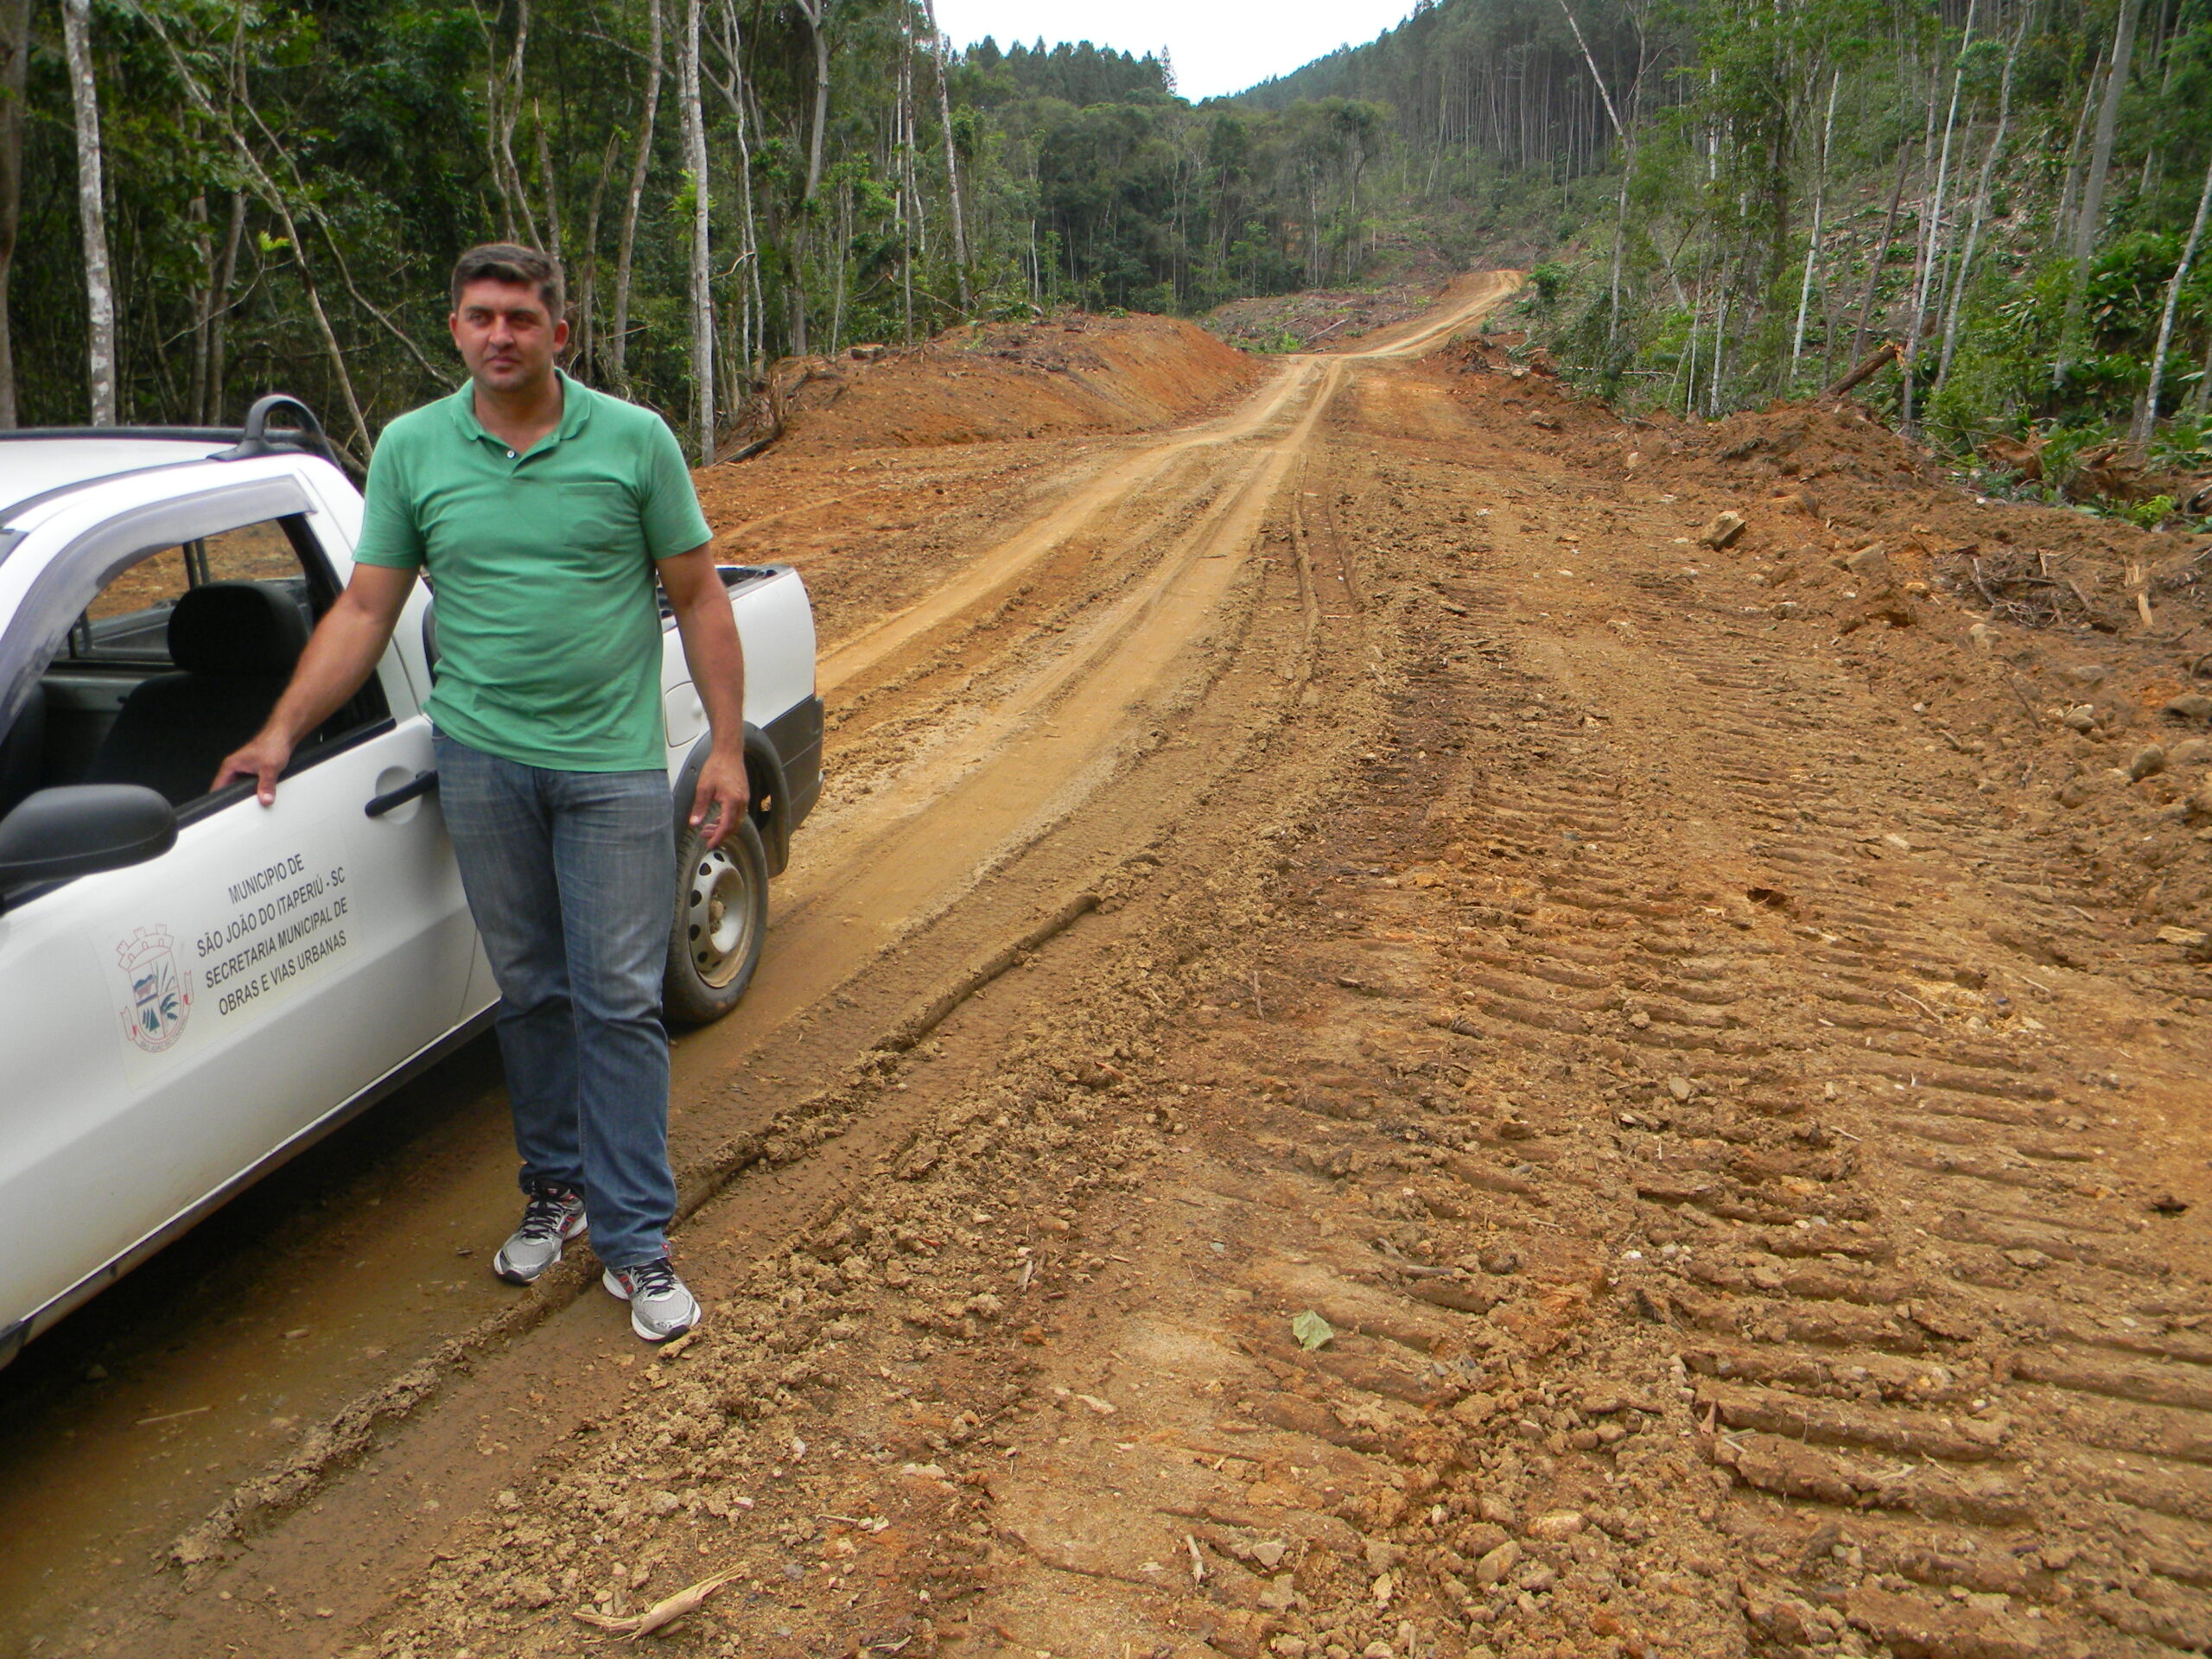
x=34 y=464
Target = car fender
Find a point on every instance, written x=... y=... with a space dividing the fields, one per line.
x=763 y=772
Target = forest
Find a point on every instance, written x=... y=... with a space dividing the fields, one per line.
x=1724 y=200
x=201 y=199
x=1735 y=200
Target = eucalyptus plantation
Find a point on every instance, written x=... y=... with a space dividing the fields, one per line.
x=1729 y=201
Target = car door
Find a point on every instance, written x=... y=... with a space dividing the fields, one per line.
x=171 y=1026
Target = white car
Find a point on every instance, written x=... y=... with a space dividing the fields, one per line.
x=193 y=988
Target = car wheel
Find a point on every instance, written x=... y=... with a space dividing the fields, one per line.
x=722 y=913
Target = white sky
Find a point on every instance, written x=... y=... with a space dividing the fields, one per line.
x=1219 y=45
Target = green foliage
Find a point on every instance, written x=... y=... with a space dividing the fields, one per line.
x=2065 y=446
x=1715 y=254
x=1080 y=73
x=369 y=140
x=2187 y=442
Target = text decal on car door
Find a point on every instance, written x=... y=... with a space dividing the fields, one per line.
x=263 y=935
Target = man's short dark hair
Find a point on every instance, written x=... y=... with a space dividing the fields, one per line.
x=510 y=262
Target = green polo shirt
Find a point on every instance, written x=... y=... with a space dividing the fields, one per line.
x=549 y=632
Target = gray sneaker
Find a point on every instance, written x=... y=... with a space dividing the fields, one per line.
x=661 y=1309
x=553 y=1215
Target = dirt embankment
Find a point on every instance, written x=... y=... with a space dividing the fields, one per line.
x=894 y=465
x=1064 y=374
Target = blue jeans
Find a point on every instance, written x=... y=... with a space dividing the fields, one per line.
x=571 y=878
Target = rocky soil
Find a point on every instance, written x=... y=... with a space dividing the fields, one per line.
x=1619 y=1069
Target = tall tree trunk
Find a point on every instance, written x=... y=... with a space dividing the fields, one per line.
x=2069 y=193
x=1933 y=253
x=546 y=179
x=92 y=210
x=14 y=60
x=1881 y=254
x=736 y=93
x=2089 y=228
x=757 y=308
x=332 y=349
x=1965 y=276
x=203 y=301
x=837 y=286
x=817 y=13
x=702 y=297
x=503 y=80
x=940 y=52
x=909 y=203
x=1627 y=167
x=618 y=344
x=2147 y=422
x=1813 y=246
x=587 y=353
x=273 y=196
x=226 y=276
x=509 y=115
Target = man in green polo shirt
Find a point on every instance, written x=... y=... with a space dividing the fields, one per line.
x=543 y=512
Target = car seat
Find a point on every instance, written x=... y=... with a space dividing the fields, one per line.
x=22 y=751
x=235 y=645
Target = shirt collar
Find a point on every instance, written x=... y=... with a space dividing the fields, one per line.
x=576 y=410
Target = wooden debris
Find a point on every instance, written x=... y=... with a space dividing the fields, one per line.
x=1886 y=353
x=687 y=1600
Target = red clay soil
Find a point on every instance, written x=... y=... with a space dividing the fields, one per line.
x=2002 y=623
x=893 y=469
x=1066 y=373
x=1593 y=1083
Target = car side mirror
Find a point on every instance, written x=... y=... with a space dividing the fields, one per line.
x=79 y=828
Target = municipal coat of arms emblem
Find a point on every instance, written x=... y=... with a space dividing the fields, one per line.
x=160 y=988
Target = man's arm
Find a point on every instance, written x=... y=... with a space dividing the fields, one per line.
x=347 y=642
x=716 y=657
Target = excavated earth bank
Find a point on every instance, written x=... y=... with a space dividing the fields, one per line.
x=1716 y=1035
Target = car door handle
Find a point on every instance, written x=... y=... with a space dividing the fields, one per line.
x=415 y=787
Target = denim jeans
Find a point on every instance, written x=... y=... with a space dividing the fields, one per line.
x=570 y=877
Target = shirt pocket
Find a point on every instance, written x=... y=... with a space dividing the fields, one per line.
x=601 y=516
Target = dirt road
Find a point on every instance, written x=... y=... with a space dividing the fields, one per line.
x=1693 y=1024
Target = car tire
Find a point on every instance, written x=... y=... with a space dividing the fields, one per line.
x=721 y=916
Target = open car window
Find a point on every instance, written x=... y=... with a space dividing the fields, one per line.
x=174 y=660
x=127 y=624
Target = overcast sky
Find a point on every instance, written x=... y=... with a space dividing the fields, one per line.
x=1219 y=45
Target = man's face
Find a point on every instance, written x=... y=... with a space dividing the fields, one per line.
x=506 y=335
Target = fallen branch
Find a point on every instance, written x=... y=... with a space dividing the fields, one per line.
x=687 y=1600
x=1886 y=353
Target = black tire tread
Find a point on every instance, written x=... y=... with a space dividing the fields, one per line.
x=686 y=999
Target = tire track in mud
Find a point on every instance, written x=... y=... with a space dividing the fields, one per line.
x=1719 y=1142
x=1932 y=1345
x=1127 y=660
x=1734 y=1241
